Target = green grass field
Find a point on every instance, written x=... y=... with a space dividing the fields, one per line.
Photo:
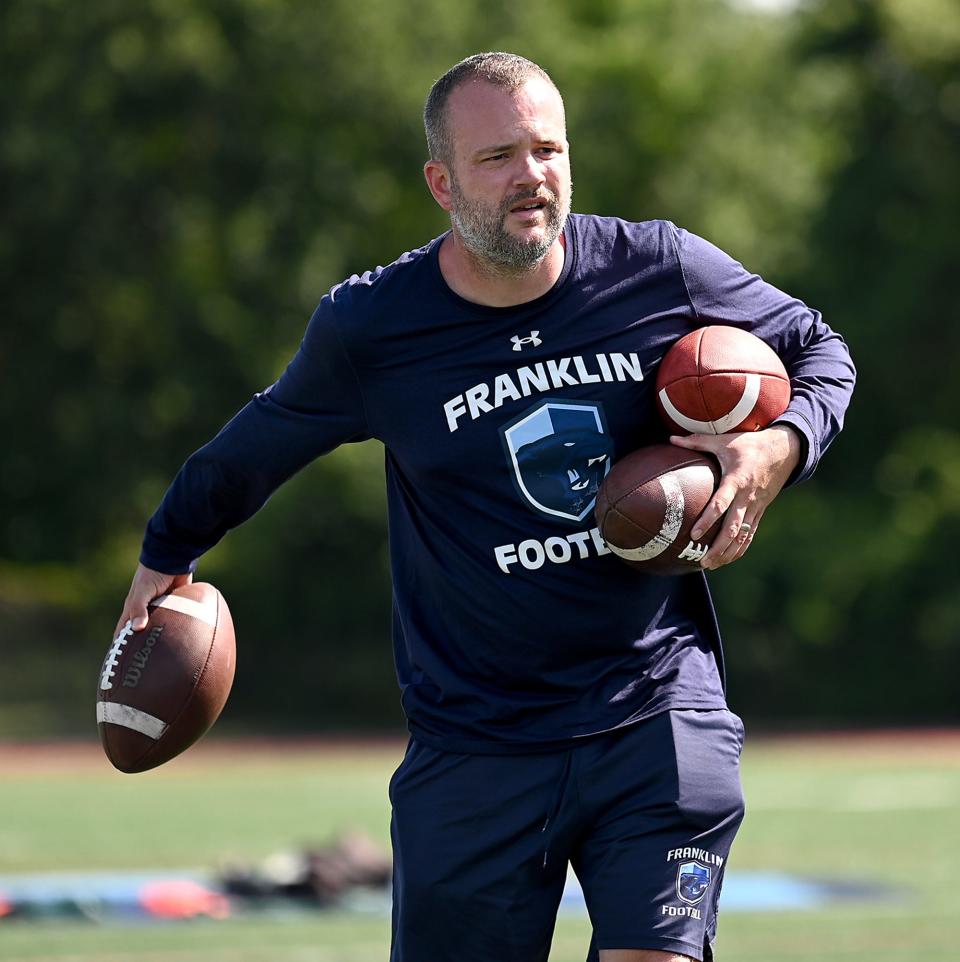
x=881 y=809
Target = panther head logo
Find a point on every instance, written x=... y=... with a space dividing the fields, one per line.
x=692 y=881
x=560 y=453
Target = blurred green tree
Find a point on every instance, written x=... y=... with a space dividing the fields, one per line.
x=181 y=182
x=851 y=612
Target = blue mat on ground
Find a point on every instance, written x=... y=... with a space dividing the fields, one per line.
x=106 y=896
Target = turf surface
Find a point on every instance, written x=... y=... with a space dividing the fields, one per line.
x=873 y=809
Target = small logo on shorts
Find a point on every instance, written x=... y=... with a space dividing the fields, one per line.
x=692 y=881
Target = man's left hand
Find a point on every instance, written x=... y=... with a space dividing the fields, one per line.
x=754 y=467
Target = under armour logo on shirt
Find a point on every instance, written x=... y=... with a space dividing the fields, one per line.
x=533 y=339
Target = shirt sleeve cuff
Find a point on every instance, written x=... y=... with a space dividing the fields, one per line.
x=809 y=452
x=159 y=557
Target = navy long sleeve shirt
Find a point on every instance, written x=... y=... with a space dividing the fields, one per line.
x=515 y=629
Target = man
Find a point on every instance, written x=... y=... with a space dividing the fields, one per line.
x=562 y=707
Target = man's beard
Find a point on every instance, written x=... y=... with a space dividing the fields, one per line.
x=483 y=232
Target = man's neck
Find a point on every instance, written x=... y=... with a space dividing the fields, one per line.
x=483 y=283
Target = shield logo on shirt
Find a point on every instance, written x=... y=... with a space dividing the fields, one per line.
x=692 y=881
x=559 y=452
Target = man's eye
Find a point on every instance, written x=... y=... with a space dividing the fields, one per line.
x=496 y=157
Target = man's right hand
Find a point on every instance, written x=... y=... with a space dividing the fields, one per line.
x=147 y=584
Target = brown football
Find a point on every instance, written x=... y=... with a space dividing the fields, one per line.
x=648 y=503
x=161 y=688
x=718 y=379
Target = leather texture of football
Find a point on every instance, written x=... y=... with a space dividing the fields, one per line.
x=648 y=503
x=160 y=689
x=719 y=379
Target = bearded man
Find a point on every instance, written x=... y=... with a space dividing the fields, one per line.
x=563 y=708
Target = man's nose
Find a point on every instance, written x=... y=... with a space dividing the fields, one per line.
x=530 y=171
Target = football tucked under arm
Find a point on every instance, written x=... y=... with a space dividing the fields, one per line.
x=648 y=503
x=718 y=380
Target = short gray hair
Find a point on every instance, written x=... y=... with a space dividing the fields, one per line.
x=508 y=71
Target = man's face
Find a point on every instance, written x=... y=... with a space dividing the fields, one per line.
x=510 y=182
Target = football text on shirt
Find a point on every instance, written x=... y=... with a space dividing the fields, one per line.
x=532 y=553
x=542 y=376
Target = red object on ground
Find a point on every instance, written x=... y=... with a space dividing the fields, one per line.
x=183 y=899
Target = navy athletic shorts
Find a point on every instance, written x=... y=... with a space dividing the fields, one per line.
x=646 y=816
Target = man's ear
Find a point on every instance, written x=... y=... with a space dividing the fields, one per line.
x=438 y=180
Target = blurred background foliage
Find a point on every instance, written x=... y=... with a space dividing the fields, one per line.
x=182 y=181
